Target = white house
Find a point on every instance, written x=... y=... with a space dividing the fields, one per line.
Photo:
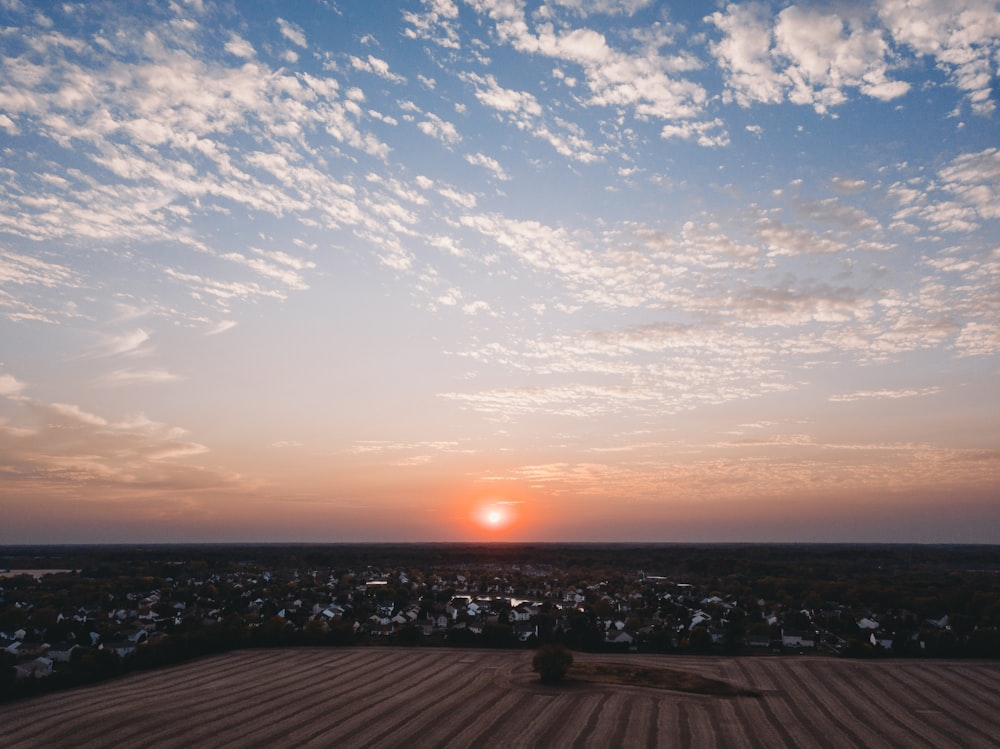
x=791 y=638
x=38 y=668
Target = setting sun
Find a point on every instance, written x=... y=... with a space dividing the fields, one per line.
x=494 y=515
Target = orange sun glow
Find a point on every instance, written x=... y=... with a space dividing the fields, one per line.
x=494 y=516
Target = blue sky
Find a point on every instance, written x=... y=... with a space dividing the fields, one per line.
x=627 y=270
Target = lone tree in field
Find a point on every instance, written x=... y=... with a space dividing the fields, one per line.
x=551 y=662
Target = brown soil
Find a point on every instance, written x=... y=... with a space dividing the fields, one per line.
x=656 y=678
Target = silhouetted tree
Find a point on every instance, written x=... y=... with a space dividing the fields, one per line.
x=551 y=662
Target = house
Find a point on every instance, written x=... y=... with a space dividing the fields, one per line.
x=425 y=625
x=63 y=652
x=332 y=611
x=121 y=648
x=37 y=668
x=10 y=646
x=880 y=641
x=519 y=614
x=791 y=638
x=524 y=631
x=621 y=639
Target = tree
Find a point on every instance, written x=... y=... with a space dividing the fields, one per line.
x=551 y=662
x=700 y=640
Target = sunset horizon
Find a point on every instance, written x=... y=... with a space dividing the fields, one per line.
x=499 y=271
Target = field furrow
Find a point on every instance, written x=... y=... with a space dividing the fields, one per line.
x=563 y=722
x=838 y=717
x=586 y=735
x=701 y=726
x=440 y=694
x=510 y=731
x=640 y=720
x=439 y=697
x=251 y=695
x=984 y=678
x=735 y=732
x=859 y=708
x=611 y=719
x=666 y=728
x=379 y=697
x=463 y=708
x=77 y=702
x=790 y=708
x=876 y=686
x=226 y=713
x=760 y=713
x=685 y=738
x=139 y=712
x=953 y=706
x=491 y=713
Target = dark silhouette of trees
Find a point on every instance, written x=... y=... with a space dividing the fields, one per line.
x=551 y=662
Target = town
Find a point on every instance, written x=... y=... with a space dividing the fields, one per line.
x=70 y=615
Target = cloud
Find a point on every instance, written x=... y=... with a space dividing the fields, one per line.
x=963 y=37
x=239 y=46
x=642 y=82
x=378 y=67
x=221 y=327
x=962 y=197
x=60 y=449
x=488 y=163
x=700 y=132
x=973 y=178
x=276 y=266
x=9 y=125
x=523 y=110
x=439 y=129
x=848 y=186
x=139 y=377
x=806 y=55
x=438 y=24
x=744 y=52
x=892 y=394
x=292 y=32
x=783 y=239
x=132 y=342
x=223 y=292
x=605 y=7
x=10 y=386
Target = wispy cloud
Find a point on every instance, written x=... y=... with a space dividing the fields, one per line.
x=292 y=32
x=138 y=377
x=879 y=394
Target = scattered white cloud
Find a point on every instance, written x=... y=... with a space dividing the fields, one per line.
x=807 y=55
x=9 y=385
x=488 y=163
x=239 y=47
x=439 y=129
x=892 y=394
x=376 y=66
x=292 y=32
x=139 y=377
x=963 y=37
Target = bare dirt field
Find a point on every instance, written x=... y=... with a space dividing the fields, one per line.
x=388 y=697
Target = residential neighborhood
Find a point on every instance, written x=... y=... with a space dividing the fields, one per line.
x=108 y=611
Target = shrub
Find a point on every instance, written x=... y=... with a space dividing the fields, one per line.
x=551 y=662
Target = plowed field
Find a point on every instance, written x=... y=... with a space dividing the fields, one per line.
x=374 y=697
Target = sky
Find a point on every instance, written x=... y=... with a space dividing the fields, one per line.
x=452 y=270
